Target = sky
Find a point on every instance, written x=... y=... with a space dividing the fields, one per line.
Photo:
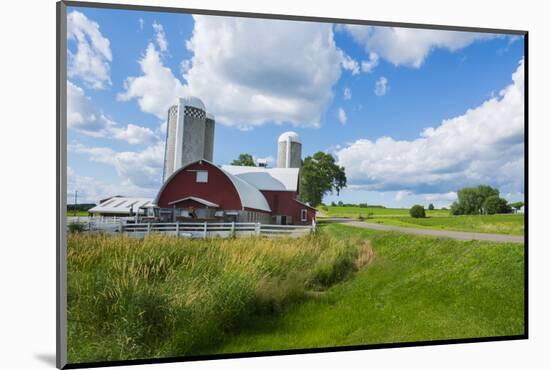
x=412 y=115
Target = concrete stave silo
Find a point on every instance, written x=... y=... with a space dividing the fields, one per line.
x=210 y=125
x=289 y=150
x=189 y=135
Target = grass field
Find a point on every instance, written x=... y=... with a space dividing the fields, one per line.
x=416 y=288
x=163 y=296
x=77 y=213
x=375 y=212
x=512 y=224
x=167 y=296
x=495 y=224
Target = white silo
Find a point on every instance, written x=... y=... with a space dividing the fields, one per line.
x=289 y=150
x=209 y=129
x=189 y=135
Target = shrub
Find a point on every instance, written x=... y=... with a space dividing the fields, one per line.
x=495 y=204
x=457 y=209
x=417 y=211
x=75 y=227
x=431 y=207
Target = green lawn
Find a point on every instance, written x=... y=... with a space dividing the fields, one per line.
x=77 y=213
x=417 y=288
x=355 y=212
x=512 y=224
x=496 y=224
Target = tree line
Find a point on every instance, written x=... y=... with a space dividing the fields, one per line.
x=482 y=199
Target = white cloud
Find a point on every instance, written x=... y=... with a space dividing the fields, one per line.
x=160 y=37
x=368 y=65
x=91 y=60
x=450 y=196
x=350 y=64
x=157 y=89
x=482 y=146
x=342 y=116
x=248 y=72
x=402 y=194
x=347 y=94
x=141 y=24
x=91 y=190
x=135 y=134
x=84 y=117
x=381 y=86
x=139 y=169
x=409 y=46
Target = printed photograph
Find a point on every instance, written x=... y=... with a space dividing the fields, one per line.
x=240 y=185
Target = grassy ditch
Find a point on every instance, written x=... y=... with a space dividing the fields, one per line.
x=163 y=296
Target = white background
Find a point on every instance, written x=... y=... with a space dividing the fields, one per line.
x=27 y=182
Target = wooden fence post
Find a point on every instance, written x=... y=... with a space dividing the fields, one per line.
x=148 y=228
x=177 y=229
x=121 y=227
x=257 y=228
x=205 y=229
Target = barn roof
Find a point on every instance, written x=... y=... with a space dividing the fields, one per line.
x=119 y=204
x=196 y=199
x=250 y=195
x=276 y=179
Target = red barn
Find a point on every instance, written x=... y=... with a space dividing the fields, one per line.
x=202 y=190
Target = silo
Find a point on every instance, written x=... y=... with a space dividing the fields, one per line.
x=289 y=150
x=186 y=134
x=209 y=137
x=190 y=131
x=170 y=145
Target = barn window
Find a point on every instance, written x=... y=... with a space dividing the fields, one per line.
x=202 y=176
x=303 y=215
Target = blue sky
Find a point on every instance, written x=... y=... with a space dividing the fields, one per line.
x=413 y=115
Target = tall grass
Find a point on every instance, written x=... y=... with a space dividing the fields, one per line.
x=164 y=296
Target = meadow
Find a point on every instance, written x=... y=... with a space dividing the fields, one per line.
x=512 y=224
x=415 y=289
x=164 y=296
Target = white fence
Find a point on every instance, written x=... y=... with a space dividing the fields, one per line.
x=194 y=229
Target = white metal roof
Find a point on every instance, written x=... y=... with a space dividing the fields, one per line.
x=250 y=195
x=196 y=199
x=121 y=204
x=289 y=135
x=277 y=179
x=192 y=101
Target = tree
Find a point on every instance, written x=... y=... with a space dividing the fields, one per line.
x=319 y=175
x=244 y=159
x=517 y=205
x=417 y=211
x=470 y=200
x=431 y=207
x=456 y=209
x=495 y=204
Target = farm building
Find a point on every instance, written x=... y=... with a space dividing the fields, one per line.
x=194 y=188
x=202 y=190
x=120 y=206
